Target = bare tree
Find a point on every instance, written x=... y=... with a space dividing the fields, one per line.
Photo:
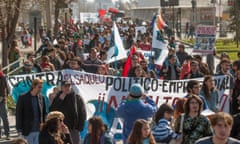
x=58 y=5
x=9 y=14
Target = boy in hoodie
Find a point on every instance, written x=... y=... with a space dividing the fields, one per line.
x=136 y=106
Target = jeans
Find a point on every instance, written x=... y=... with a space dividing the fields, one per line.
x=32 y=138
x=4 y=117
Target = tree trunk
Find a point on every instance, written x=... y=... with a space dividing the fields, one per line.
x=4 y=48
x=56 y=19
x=9 y=28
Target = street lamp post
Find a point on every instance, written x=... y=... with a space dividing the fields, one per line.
x=194 y=16
x=214 y=12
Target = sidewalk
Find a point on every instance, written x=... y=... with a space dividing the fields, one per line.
x=13 y=132
x=24 y=51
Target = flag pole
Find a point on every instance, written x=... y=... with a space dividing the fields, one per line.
x=115 y=47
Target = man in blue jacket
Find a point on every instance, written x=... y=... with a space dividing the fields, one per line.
x=136 y=106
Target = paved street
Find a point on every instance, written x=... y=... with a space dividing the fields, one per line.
x=13 y=132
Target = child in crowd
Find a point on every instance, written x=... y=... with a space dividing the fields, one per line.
x=141 y=133
x=162 y=131
x=97 y=132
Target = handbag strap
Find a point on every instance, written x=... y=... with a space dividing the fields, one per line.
x=181 y=123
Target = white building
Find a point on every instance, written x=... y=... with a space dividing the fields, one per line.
x=184 y=3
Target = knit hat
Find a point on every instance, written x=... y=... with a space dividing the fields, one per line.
x=55 y=114
x=136 y=91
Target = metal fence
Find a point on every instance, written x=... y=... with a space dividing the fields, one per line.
x=7 y=69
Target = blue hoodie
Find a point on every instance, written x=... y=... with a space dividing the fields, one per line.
x=131 y=110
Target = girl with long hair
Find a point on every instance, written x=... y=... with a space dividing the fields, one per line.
x=210 y=93
x=97 y=132
x=141 y=133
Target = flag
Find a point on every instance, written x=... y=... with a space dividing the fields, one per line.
x=113 y=10
x=127 y=65
x=102 y=12
x=185 y=69
x=161 y=58
x=160 y=22
x=161 y=50
x=157 y=39
x=153 y=20
x=117 y=51
x=70 y=21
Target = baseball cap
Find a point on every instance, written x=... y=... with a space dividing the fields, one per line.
x=136 y=91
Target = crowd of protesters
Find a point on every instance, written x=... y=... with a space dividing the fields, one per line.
x=68 y=51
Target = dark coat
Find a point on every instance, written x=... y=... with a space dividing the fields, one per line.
x=3 y=86
x=167 y=75
x=24 y=112
x=73 y=108
x=196 y=75
x=105 y=139
x=46 y=138
x=236 y=127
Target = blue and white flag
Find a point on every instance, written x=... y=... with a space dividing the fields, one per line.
x=157 y=39
x=159 y=43
x=116 y=52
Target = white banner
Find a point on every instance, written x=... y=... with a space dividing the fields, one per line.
x=89 y=17
x=142 y=29
x=205 y=39
x=102 y=94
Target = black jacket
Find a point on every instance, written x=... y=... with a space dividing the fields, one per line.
x=46 y=138
x=3 y=86
x=73 y=108
x=24 y=112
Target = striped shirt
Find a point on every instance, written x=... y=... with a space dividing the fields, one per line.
x=162 y=132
